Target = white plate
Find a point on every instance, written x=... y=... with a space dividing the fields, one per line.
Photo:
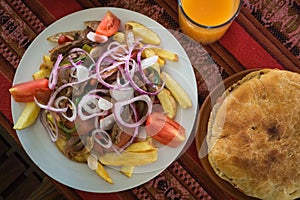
x=44 y=153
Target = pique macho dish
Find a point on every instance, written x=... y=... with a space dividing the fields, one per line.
x=253 y=135
x=104 y=96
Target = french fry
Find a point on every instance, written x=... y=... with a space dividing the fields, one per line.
x=177 y=91
x=60 y=143
x=147 y=35
x=47 y=61
x=148 y=53
x=80 y=158
x=42 y=73
x=45 y=68
x=119 y=37
x=161 y=61
x=127 y=170
x=129 y=158
x=168 y=102
x=28 y=116
x=103 y=173
x=166 y=54
x=31 y=110
x=82 y=155
x=142 y=146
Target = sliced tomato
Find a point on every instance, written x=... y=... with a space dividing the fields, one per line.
x=64 y=39
x=165 y=130
x=23 y=98
x=108 y=25
x=24 y=92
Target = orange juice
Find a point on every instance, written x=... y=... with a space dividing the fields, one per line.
x=206 y=21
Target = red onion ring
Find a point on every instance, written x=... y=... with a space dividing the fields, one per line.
x=85 y=99
x=74 y=110
x=54 y=73
x=117 y=111
x=104 y=136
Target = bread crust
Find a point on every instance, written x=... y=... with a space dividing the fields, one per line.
x=254 y=135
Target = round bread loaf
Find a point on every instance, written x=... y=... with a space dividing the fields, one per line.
x=254 y=135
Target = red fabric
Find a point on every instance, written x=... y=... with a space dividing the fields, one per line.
x=59 y=9
x=244 y=48
x=91 y=196
x=5 y=97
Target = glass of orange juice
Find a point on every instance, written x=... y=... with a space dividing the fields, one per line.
x=206 y=21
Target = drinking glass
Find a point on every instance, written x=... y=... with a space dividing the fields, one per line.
x=206 y=21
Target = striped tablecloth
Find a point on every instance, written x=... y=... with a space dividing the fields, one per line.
x=266 y=34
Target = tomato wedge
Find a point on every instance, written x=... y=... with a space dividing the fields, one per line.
x=64 y=39
x=108 y=25
x=24 y=92
x=164 y=129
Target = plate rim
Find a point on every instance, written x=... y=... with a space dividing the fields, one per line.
x=113 y=9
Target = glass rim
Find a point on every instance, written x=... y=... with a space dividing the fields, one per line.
x=215 y=26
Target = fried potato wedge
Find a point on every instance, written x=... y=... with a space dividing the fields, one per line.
x=119 y=37
x=80 y=158
x=42 y=73
x=147 y=35
x=141 y=146
x=149 y=53
x=168 y=102
x=129 y=158
x=177 y=91
x=166 y=54
x=103 y=173
x=161 y=61
x=127 y=170
x=60 y=143
x=45 y=68
x=47 y=62
x=28 y=116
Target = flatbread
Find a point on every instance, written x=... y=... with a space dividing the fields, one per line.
x=254 y=135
